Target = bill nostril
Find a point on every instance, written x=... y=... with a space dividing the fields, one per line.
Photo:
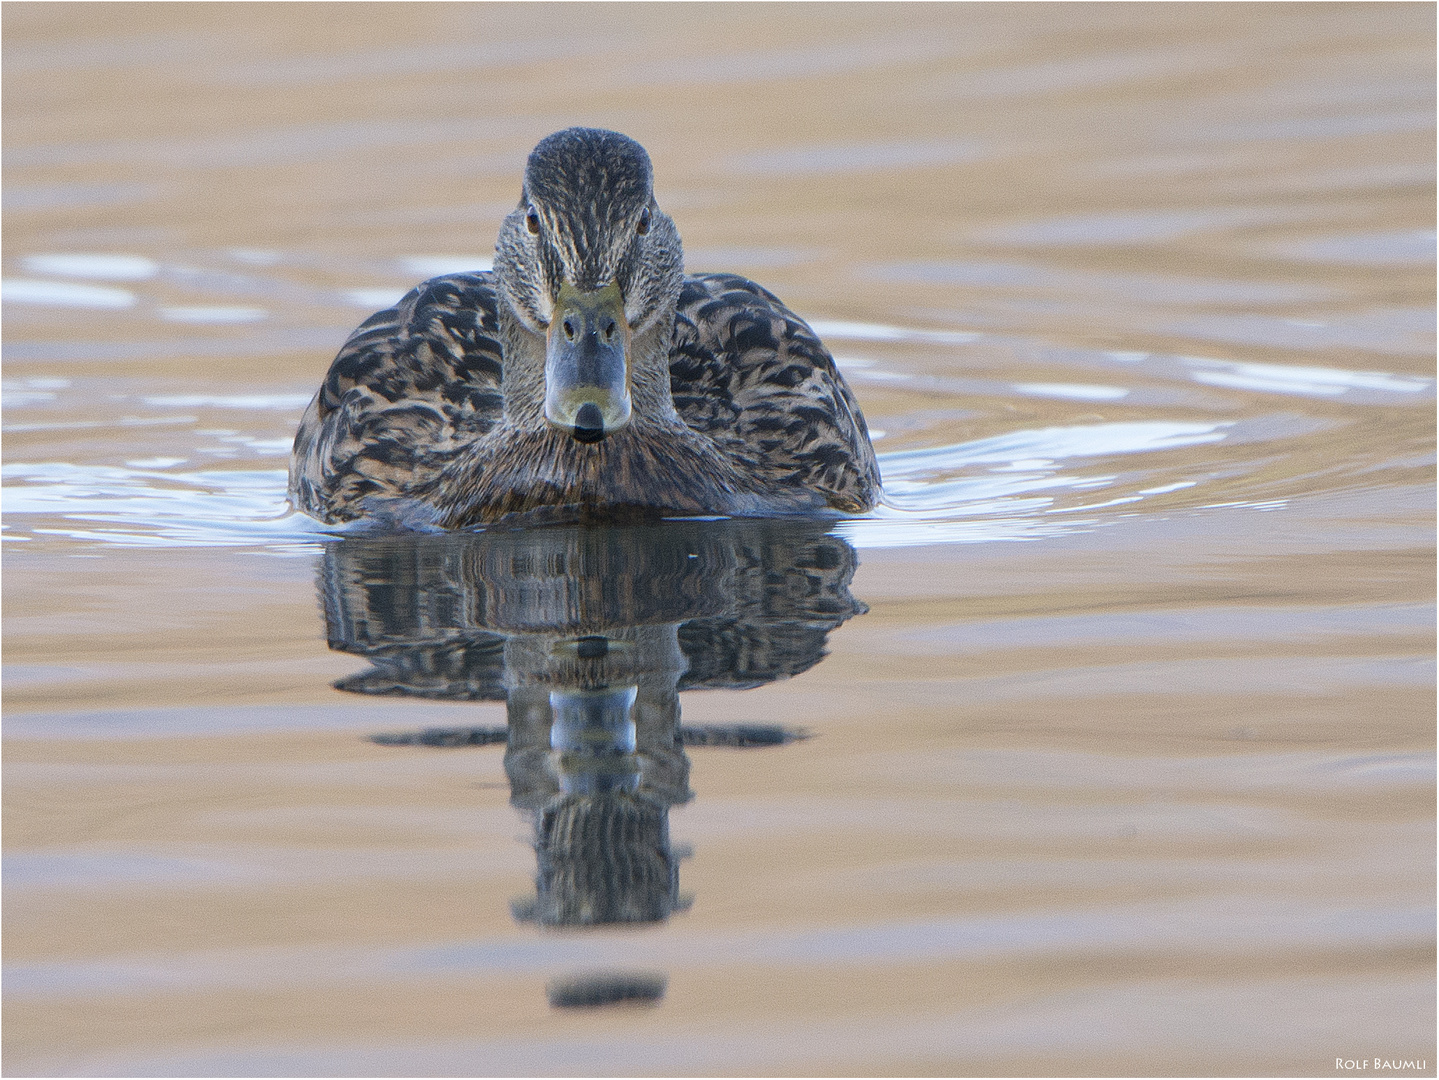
x=569 y=329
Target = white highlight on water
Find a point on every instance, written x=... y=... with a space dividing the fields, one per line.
x=229 y=401
x=428 y=266
x=63 y=294
x=863 y=331
x=99 y=267
x=1311 y=381
x=213 y=314
x=373 y=299
x=1076 y=391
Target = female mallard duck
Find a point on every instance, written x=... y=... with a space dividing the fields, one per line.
x=586 y=377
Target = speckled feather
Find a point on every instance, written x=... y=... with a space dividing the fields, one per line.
x=750 y=374
x=410 y=420
x=413 y=388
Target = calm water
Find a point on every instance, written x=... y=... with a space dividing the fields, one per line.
x=1119 y=713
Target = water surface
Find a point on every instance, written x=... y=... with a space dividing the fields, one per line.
x=1118 y=748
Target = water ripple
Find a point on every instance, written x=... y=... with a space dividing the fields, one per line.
x=1001 y=488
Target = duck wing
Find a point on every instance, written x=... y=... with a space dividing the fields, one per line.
x=750 y=374
x=412 y=388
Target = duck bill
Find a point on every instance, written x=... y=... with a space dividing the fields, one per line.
x=587 y=370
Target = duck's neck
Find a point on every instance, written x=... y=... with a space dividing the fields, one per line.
x=655 y=464
x=523 y=381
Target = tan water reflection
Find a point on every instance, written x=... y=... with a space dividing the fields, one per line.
x=1129 y=767
x=588 y=636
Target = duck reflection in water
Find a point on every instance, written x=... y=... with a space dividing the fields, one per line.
x=589 y=636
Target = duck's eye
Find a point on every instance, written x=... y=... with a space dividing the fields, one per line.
x=644 y=225
x=532 y=222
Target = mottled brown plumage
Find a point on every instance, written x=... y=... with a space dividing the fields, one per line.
x=435 y=411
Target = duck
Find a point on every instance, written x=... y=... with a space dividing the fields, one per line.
x=584 y=378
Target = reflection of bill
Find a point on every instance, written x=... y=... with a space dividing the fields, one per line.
x=589 y=636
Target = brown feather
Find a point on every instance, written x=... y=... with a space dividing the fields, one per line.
x=411 y=412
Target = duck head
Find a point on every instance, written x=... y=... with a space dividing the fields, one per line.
x=590 y=271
